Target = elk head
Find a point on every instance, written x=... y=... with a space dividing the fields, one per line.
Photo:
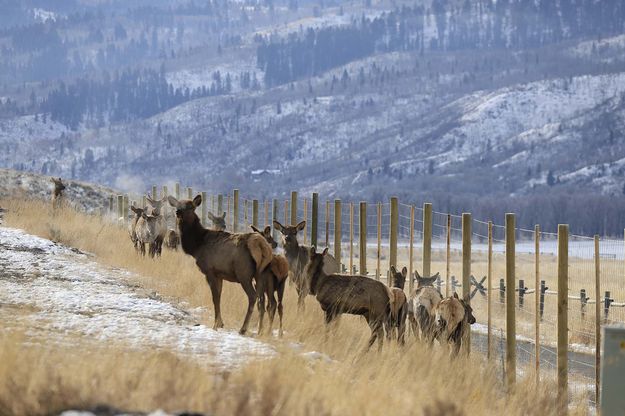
x=468 y=310
x=314 y=267
x=425 y=281
x=59 y=186
x=267 y=234
x=399 y=278
x=289 y=232
x=219 y=221
x=185 y=209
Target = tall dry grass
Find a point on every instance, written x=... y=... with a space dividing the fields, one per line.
x=41 y=378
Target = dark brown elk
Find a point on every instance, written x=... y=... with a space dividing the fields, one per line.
x=398 y=305
x=422 y=307
x=298 y=257
x=357 y=295
x=172 y=240
x=238 y=258
x=219 y=221
x=275 y=277
x=132 y=226
x=453 y=318
x=57 y=193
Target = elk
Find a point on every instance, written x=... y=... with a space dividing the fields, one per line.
x=146 y=232
x=161 y=227
x=298 y=257
x=172 y=240
x=357 y=295
x=275 y=276
x=238 y=258
x=219 y=221
x=57 y=193
x=132 y=226
x=422 y=307
x=453 y=318
x=398 y=305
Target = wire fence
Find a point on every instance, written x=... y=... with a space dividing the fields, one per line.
x=430 y=242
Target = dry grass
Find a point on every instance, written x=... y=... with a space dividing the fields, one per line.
x=37 y=379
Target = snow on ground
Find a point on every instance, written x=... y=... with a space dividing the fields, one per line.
x=68 y=294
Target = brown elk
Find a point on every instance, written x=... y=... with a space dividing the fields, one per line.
x=275 y=277
x=161 y=224
x=172 y=240
x=132 y=226
x=146 y=232
x=219 y=221
x=398 y=305
x=298 y=257
x=238 y=258
x=357 y=295
x=422 y=307
x=57 y=193
x=453 y=318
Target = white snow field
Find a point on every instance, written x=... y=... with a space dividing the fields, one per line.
x=60 y=293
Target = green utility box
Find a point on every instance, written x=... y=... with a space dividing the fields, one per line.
x=613 y=370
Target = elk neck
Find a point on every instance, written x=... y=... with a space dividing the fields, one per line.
x=192 y=235
x=318 y=278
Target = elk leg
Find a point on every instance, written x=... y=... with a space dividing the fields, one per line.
x=142 y=249
x=280 y=296
x=401 y=330
x=377 y=332
x=260 y=291
x=248 y=287
x=271 y=306
x=215 y=285
x=301 y=296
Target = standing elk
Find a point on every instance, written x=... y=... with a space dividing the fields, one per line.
x=219 y=221
x=357 y=295
x=422 y=307
x=57 y=194
x=298 y=257
x=161 y=224
x=453 y=318
x=275 y=277
x=132 y=226
x=238 y=258
x=146 y=232
x=398 y=305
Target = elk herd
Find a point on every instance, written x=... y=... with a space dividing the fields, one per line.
x=249 y=260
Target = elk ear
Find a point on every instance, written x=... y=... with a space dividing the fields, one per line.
x=404 y=271
x=436 y=276
x=172 y=201
x=417 y=275
x=325 y=251
x=255 y=229
x=267 y=230
x=135 y=210
x=277 y=226
x=301 y=226
x=393 y=269
x=150 y=200
x=313 y=251
x=197 y=200
x=223 y=215
x=456 y=295
x=467 y=299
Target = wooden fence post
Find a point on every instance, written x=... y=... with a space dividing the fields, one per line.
x=167 y=207
x=255 y=213
x=246 y=219
x=274 y=217
x=125 y=207
x=392 y=258
x=213 y=204
x=427 y=239
x=154 y=192
x=537 y=301
x=177 y=190
x=294 y=208
x=235 y=210
x=314 y=227
x=351 y=238
x=228 y=212
x=448 y=257
x=362 y=238
x=266 y=210
x=466 y=272
x=327 y=220
x=305 y=219
x=378 y=272
x=111 y=203
x=190 y=193
x=597 y=321
x=411 y=251
x=510 y=306
x=220 y=204
x=489 y=285
x=286 y=212
x=563 y=304
x=337 y=232
x=204 y=208
x=120 y=207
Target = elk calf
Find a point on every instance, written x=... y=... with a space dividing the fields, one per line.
x=422 y=307
x=398 y=305
x=453 y=318
x=275 y=277
x=57 y=193
x=357 y=295
x=298 y=257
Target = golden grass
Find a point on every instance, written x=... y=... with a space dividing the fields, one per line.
x=38 y=378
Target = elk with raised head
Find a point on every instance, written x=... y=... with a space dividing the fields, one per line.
x=161 y=224
x=219 y=221
x=275 y=278
x=357 y=295
x=453 y=318
x=298 y=257
x=398 y=305
x=422 y=307
x=57 y=194
x=238 y=258
x=132 y=226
